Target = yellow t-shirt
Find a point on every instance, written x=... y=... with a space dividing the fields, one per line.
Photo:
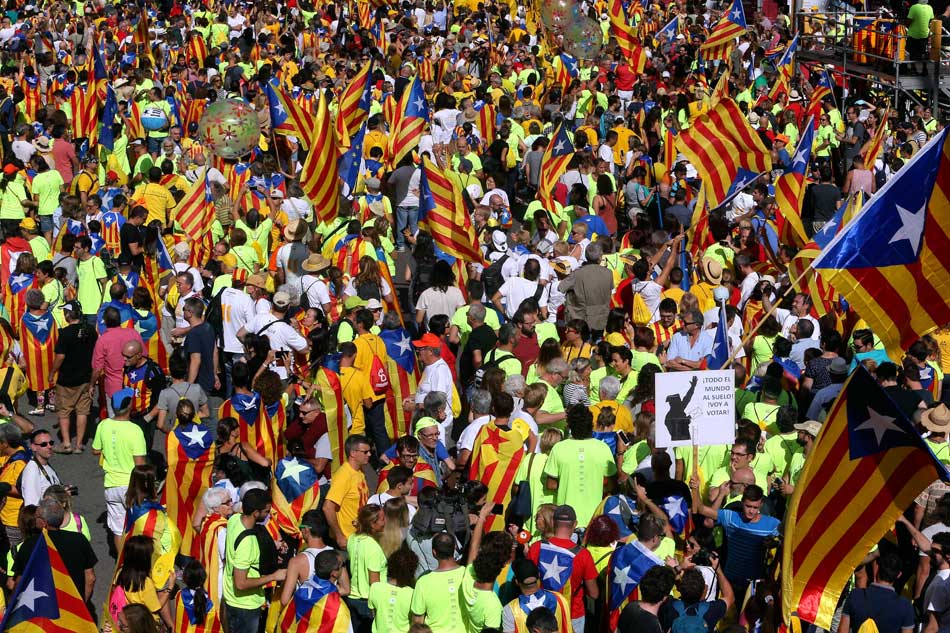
x=349 y=491
x=158 y=200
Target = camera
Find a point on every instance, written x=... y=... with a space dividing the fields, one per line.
x=72 y=491
x=703 y=558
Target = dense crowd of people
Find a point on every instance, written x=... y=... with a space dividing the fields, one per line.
x=332 y=423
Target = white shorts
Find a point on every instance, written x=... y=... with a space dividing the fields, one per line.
x=115 y=508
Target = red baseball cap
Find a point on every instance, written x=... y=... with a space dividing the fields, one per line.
x=428 y=340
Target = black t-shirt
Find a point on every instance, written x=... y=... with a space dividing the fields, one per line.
x=825 y=198
x=715 y=611
x=75 y=550
x=481 y=338
x=633 y=619
x=131 y=234
x=200 y=340
x=658 y=491
x=76 y=369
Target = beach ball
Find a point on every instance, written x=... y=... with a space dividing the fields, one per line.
x=229 y=129
x=557 y=15
x=154 y=118
x=583 y=38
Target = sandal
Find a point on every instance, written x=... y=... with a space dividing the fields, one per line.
x=64 y=449
x=79 y=448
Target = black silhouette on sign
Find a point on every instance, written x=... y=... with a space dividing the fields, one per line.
x=677 y=421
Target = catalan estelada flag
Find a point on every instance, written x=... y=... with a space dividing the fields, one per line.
x=298 y=119
x=187 y=619
x=295 y=489
x=628 y=564
x=205 y=550
x=487 y=115
x=823 y=88
x=720 y=142
x=785 y=66
x=196 y=49
x=626 y=37
x=275 y=108
x=411 y=116
x=246 y=409
x=326 y=387
x=316 y=608
x=191 y=451
x=790 y=192
x=46 y=600
x=867 y=466
x=496 y=455
x=522 y=606
x=355 y=101
x=38 y=335
x=403 y=380
x=892 y=261
x=84 y=103
x=722 y=38
x=557 y=155
x=195 y=212
x=14 y=297
x=150 y=519
x=443 y=213
x=565 y=71
x=319 y=178
x=698 y=237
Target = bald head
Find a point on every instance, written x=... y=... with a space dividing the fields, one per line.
x=744 y=476
x=132 y=348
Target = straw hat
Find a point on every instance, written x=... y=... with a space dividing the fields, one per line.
x=936 y=419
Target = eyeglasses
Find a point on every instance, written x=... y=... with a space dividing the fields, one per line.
x=735 y=454
x=362 y=450
x=429 y=436
x=686 y=323
x=42 y=444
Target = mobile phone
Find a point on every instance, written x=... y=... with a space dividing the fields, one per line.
x=498 y=509
x=623 y=435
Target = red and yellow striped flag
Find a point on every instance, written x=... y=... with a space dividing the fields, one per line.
x=626 y=36
x=195 y=212
x=301 y=120
x=191 y=451
x=320 y=177
x=790 y=192
x=411 y=116
x=485 y=122
x=877 y=143
x=354 y=103
x=205 y=550
x=442 y=211
x=197 y=49
x=423 y=477
x=719 y=143
x=187 y=621
x=315 y=608
x=295 y=489
x=403 y=380
x=669 y=150
x=191 y=111
x=867 y=466
x=557 y=156
x=84 y=102
x=247 y=410
x=496 y=455
x=326 y=388
x=698 y=237
x=722 y=39
x=721 y=91
x=38 y=335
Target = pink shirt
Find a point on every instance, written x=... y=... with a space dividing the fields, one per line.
x=107 y=355
x=63 y=153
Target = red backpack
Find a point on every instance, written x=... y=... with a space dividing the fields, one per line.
x=378 y=376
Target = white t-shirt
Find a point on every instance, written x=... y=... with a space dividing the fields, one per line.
x=35 y=480
x=237 y=308
x=438 y=377
x=467 y=438
x=316 y=290
x=296 y=208
x=382 y=497
x=516 y=290
x=281 y=335
x=23 y=150
x=787 y=319
x=652 y=294
x=443 y=125
x=433 y=301
x=283 y=262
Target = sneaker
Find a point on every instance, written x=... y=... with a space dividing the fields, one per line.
x=38 y=411
x=50 y=407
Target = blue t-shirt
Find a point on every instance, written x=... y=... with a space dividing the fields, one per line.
x=607 y=437
x=881 y=603
x=746 y=541
x=594 y=225
x=432 y=460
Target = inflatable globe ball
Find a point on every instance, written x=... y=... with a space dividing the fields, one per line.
x=154 y=119
x=229 y=129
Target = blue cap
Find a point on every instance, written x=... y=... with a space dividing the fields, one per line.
x=119 y=398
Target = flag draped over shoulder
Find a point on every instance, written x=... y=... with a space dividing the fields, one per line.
x=443 y=213
x=411 y=117
x=719 y=143
x=557 y=155
x=877 y=143
x=319 y=178
x=403 y=380
x=869 y=463
x=722 y=38
x=195 y=212
x=46 y=598
x=892 y=261
x=83 y=102
x=246 y=409
x=316 y=607
x=295 y=489
x=326 y=385
x=188 y=621
x=496 y=455
x=626 y=36
x=790 y=192
x=38 y=335
x=626 y=568
x=191 y=450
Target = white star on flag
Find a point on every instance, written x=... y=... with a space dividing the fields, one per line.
x=622 y=578
x=800 y=156
x=559 y=147
x=404 y=345
x=673 y=507
x=20 y=279
x=292 y=469
x=878 y=423
x=29 y=597
x=42 y=324
x=535 y=601
x=195 y=436
x=552 y=570
x=912 y=226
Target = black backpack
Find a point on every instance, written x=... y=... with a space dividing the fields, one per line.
x=446 y=512
x=491 y=277
x=305 y=294
x=369 y=291
x=497 y=359
x=269 y=561
x=214 y=315
x=422 y=280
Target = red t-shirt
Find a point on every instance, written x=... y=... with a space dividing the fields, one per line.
x=583 y=569
x=624 y=77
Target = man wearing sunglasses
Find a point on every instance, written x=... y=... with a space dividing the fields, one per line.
x=38 y=475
